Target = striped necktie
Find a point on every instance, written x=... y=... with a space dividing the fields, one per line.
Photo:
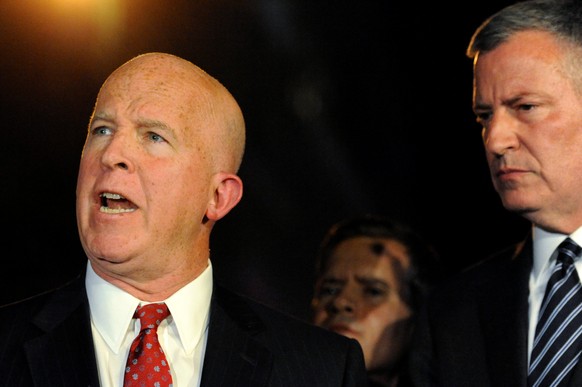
x=556 y=348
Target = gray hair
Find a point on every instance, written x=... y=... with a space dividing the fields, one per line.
x=561 y=18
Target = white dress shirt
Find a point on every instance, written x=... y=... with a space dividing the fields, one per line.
x=182 y=335
x=545 y=255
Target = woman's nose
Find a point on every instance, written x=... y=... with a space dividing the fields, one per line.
x=343 y=303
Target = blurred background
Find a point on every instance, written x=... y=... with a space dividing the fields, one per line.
x=351 y=107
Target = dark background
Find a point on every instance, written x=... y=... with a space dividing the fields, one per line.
x=351 y=107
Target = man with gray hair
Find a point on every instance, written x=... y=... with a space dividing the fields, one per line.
x=515 y=319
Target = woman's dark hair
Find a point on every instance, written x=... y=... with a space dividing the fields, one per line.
x=425 y=268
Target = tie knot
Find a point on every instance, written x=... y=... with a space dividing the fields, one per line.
x=151 y=315
x=568 y=250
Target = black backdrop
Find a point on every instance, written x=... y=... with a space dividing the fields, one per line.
x=351 y=107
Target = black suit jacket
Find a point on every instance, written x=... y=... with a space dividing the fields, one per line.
x=46 y=341
x=473 y=331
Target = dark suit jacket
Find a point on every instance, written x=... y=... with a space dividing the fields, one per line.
x=474 y=330
x=46 y=341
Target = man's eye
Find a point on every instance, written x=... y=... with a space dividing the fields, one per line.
x=101 y=131
x=526 y=106
x=156 y=137
x=482 y=117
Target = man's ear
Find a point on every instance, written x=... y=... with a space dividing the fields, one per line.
x=227 y=193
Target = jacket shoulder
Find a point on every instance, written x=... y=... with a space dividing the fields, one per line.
x=297 y=352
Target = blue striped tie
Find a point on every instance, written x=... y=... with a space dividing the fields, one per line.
x=556 y=347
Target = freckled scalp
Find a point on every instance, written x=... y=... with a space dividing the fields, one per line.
x=209 y=107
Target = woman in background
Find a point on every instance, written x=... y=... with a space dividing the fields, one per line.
x=372 y=274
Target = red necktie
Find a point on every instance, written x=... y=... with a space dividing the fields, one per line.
x=146 y=364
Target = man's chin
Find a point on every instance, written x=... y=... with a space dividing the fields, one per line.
x=517 y=202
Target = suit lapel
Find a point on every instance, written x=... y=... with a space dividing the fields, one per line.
x=503 y=309
x=64 y=355
x=233 y=356
x=513 y=312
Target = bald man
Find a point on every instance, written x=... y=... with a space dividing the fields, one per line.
x=158 y=170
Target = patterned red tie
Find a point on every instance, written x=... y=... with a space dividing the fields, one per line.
x=146 y=364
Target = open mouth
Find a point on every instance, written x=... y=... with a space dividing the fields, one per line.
x=112 y=203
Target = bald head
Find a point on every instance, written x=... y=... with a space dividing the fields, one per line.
x=158 y=170
x=202 y=101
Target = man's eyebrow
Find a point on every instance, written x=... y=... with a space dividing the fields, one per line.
x=505 y=102
x=481 y=106
x=102 y=116
x=149 y=123
x=156 y=124
x=142 y=122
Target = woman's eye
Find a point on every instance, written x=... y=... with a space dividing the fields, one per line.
x=375 y=291
x=328 y=291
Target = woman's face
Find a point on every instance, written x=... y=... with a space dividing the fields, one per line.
x=359 y=295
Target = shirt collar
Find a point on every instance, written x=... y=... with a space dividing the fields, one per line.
x=545 y=244
x=112 y=309
x=190 y=308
